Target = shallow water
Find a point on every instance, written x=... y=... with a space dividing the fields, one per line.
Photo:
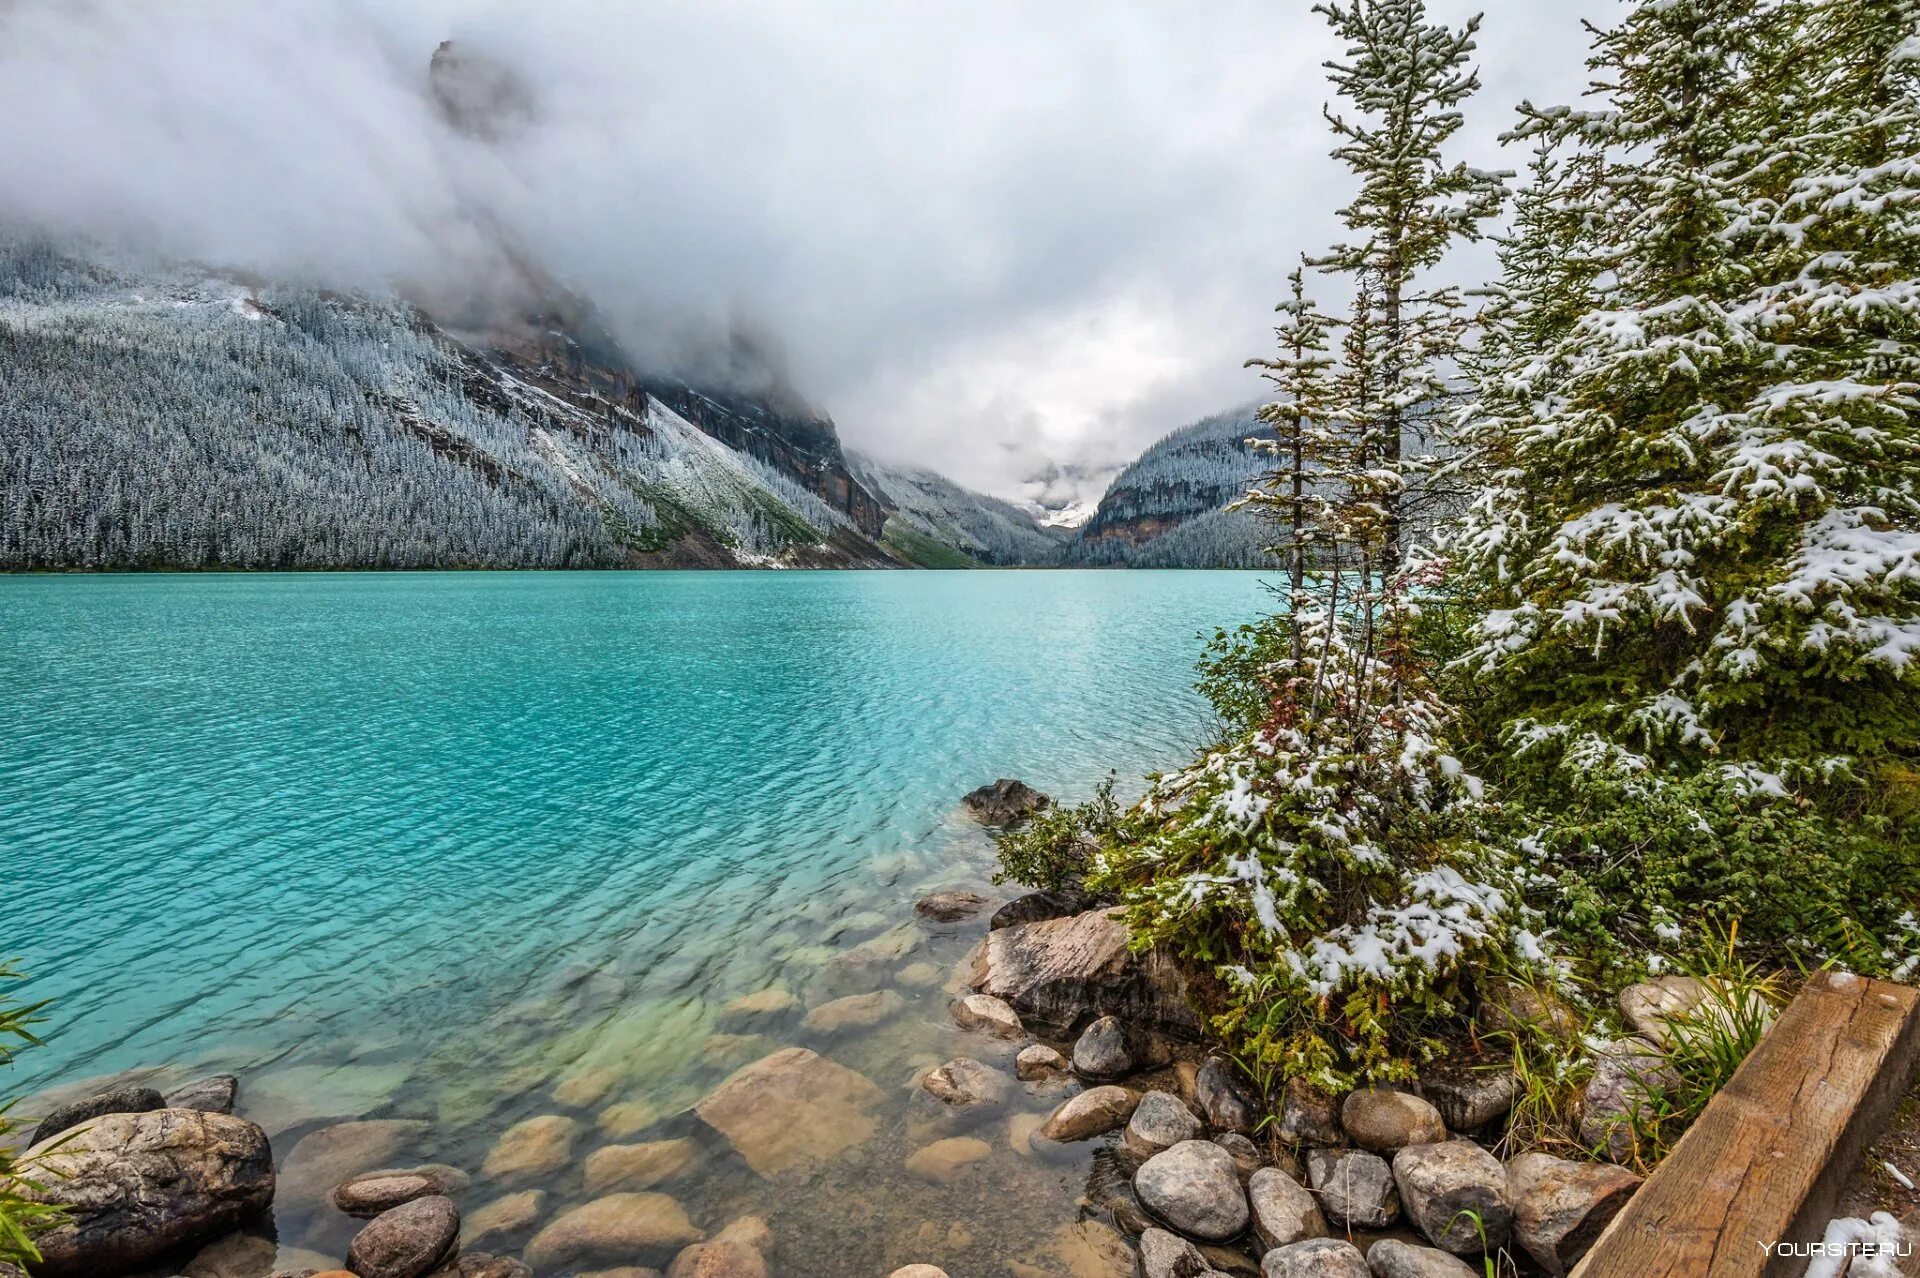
x=425 y=846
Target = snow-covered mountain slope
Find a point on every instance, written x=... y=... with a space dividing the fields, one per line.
x=931 y=519
x=188 y=420
x=1169 y=508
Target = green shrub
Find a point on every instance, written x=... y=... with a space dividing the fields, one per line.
x=20 y=1217
x=1053 y=850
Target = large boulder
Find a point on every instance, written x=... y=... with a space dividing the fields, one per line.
x=1057 y=972
x=409 y=1241
x=619 y=1228
x=791 y=1113
x=1384 y=1120
x=1101 y=1050
x=1092 y=1113
x=1161 y=1121
x=1455 y=1193
x=1194 y=1188
x=1354 y=1187
x=1560 y=1207
x=1228 y=1101
x=121 y=1100
x=1005 y=802
x=1315 y=1258
x=1284 y=1212
x=138 y=1185
x=1627 y=1074
x=1392 y=1258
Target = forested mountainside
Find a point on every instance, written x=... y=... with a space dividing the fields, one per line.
x=192 y=421
x=930 y=519
x=1169 y=508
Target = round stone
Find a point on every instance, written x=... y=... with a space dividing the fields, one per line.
x=1193 y=1188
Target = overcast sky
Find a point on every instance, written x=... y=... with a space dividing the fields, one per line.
x=991 y=238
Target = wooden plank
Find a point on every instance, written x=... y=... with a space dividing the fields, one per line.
x=1766 y=1160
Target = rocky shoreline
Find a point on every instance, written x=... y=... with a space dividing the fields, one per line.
x=1194 y=1171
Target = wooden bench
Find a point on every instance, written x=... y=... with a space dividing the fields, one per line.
x=1766 y=1160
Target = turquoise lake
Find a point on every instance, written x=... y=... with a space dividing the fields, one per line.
x=428 y=846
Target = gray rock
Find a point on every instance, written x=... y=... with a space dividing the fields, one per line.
x=986 y=1013
x=1391 y=1258
x=480 y=1264
x=1058 y=972
x=1627 y=1074
x=215 y=1095
x=121 y=1100
x=1005 y=802
x=1649 y=1005
x=1560 y=1207
x=1093 y=1112
x=369 y=1196
x=1161 y=1121
x=1165 y=1255
x=1469 y=1100
x=1445 y=1187
x=136 y=1186
x=1284 y=1212
x=1037 y=907
x=1384 y=1120
x=1193 y=1188
x=1509 y=1007
x=1315 y=1258
x=964 y=1081
x=409 y=1241
x=1036 y=1060
x=1355 y=1188
x=1245 y=1154
x=1226 y=1098
x=1101 y=1050
x=949 y=907
x=1308 y=1116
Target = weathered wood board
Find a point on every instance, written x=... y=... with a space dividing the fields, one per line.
x=1765 y=1162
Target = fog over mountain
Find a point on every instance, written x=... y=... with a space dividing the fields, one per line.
x=1012 y=242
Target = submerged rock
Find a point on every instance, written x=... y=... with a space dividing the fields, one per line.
x=790 y=1113
x=856 y=1011
x=533 y=1147
x=216 y=1095
x=507 y=1215
x=1355 y=1188
x=1455 y=1193
x=1315 y=1258
x=949 y=907
x=945 y=1160
x=1092 y=1112
x=1193 y=1187
x=480 y=1264
x=1560 y=1207
x=1005 y=802
x=136 y=1186
x=738 y=1251
x=749 y=1008
x=639 y=1166
x=1058 y=972
x=619 y=1227
x=1036 y=907
x=409 y=1241
x=325 y=1158
x=121 y=1100
x=964 y=1081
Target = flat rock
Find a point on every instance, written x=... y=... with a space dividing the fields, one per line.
x=121 y=1100
x=136 y=1186
x=856 y=1011
x=409 y=1241
x=1354 y=1187
x=964 y=1081
x=1392 y=1258
x=1315 y=1258
x=1036 y=907
x=945 y=1160
x=1441 y=1183
x=1005 y=802
x=640 y=1166
x=626 y=1119
x=1469 y=1100
x=991 y=1015
x=764 y=1004
x=1161 y=1121
x=215 y=1095
x=587 y=1086
x=950 y=906
x=790 y=1113
x=532 y=1147
x=1383 y=1120
x=1057 y=972
x=1165 y=1255
x=1226 y=1099
x=1309 y=1116
x=1560 y=1207
x=1035 y=1061
x=1626 y=1074
x=616 y=1227
x=1101 y=1050
x=369 y=1196
x=325 y=1158
x=1093 y=1112
x=1284 y=1212
x=738 y=1251
x=283 y=1099
x=507 y=1216
x=1193 y=1188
